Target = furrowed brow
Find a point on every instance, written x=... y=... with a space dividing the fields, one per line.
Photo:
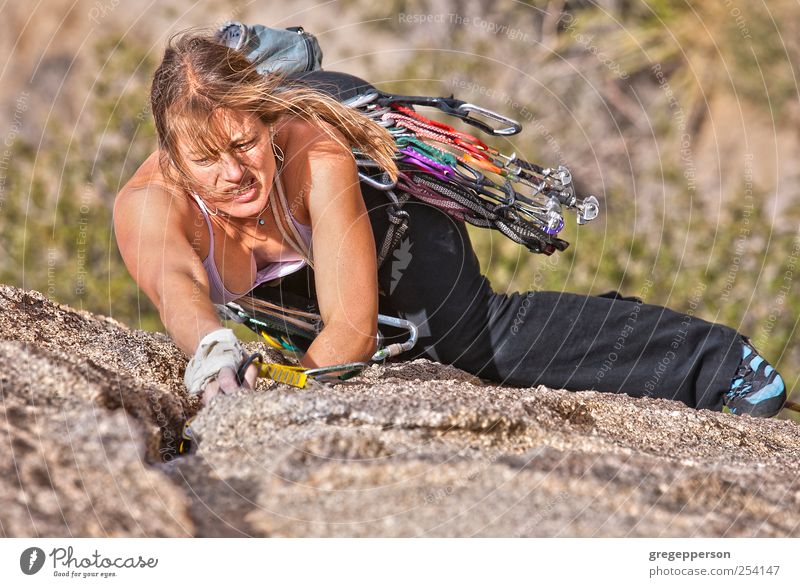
x=244 y=137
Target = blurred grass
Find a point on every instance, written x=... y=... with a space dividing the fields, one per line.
x=697 y=242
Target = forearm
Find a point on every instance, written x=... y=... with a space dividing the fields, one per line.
x=337 y=344
x=187 y=311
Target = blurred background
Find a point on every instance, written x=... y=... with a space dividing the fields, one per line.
x=681 y=117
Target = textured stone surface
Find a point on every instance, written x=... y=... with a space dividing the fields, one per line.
x=91 y=410
x=73 y=467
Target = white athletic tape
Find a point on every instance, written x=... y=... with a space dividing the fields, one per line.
x=218 y=349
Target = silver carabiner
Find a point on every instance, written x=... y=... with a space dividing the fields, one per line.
x=362 y=100
x=588 y=209
x=384 y=186
x=513 y=126
x=396 y=348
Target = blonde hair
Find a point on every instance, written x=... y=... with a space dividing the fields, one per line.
x=198 y=76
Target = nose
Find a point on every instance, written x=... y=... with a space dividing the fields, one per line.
x=231 y=169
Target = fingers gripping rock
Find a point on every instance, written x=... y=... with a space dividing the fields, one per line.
x=217 y=350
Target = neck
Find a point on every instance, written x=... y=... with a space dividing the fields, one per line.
x=247 y=225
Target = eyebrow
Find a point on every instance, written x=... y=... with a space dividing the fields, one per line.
x=245 y=137
x=237 y=140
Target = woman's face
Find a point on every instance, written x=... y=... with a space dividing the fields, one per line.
x=234 y=180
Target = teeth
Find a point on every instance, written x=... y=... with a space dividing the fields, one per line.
x=247 y=187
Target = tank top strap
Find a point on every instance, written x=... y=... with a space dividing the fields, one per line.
x=206 y=215
x=283 y=217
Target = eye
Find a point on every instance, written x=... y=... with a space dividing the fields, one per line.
x=203 y=162
x=245 y=146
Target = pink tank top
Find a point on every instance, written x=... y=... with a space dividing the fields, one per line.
x=218 y=292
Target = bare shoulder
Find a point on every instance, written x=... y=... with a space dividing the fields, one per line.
x=311 y=139
x=318 y=162
x=152 y=226
x=149 y=204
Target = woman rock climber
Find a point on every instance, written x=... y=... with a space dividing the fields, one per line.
x=200 y=224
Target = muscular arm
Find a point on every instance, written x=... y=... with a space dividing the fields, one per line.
x=344 y=258
x=149 y=225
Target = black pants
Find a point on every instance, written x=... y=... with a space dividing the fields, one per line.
x=561 y=340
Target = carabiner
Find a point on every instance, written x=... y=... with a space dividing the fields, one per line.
x=361 y=100
x=463 y=112
x=384 y=183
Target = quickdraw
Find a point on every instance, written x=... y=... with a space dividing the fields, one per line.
x=296 y=376
x=471 y=181
x=292 y=330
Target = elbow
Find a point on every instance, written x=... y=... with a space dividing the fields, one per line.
x=369 y=346
x=371 y=340
x=362 y=343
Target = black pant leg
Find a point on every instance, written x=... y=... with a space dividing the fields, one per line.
x=577 y=342
x=566 y=341
x=607 y=343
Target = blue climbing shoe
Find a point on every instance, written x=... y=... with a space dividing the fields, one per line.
x=757 y=389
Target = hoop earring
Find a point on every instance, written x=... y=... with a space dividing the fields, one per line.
x=275 y=147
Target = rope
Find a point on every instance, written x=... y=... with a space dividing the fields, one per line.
x=398 y=225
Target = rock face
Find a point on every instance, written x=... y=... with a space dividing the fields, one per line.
x=91 y=414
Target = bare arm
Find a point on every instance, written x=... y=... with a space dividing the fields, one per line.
x=149 y=225
x=344 y=259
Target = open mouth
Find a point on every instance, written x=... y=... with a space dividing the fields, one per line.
x=247 y=192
